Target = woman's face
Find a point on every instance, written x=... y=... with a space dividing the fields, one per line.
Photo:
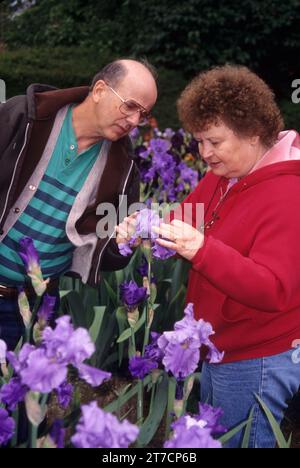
x=226 y=153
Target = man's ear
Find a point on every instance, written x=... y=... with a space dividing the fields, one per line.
x=98 y=90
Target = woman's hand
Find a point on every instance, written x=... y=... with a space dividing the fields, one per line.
x=126 y=229
x=181 y=237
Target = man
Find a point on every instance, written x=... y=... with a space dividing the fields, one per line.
x=63 y=153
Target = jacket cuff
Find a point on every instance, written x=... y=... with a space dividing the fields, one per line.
x=198 y=259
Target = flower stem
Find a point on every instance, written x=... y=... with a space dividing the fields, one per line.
x=132 y=345
x=146 y=337
x=15 y=416
x=35 y=310
x=33 y=436
x=140 y=402
x=153 y=390
x=170 y=408
x=148 y=307
x=28 y=329
x=34 y=428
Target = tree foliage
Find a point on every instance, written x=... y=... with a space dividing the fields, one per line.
x=189 y=36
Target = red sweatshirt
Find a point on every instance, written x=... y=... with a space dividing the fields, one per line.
x=245 y=280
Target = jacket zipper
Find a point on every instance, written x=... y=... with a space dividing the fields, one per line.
x=109 y=239
x=14 y=173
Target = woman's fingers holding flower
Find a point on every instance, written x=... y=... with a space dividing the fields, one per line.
x=180 y=237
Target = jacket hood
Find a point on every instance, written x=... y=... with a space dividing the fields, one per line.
x=282 y=159
x=287 y=148
x=44 y=101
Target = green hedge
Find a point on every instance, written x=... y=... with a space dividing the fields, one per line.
x=61 y=67
x=74 y=66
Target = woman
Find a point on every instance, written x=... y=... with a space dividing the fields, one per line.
x=245 y=275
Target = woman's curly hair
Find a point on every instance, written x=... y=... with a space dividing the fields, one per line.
x=237 y=97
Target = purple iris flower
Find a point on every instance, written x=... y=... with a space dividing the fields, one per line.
x=168 y=133
x=163 y=253
x=45 y=368
x=93 y=376
x=161 y=166
x=13 y=393
x=145 y=221
x=181 y=353
x=152 y=350
x=20 y=362
x=36 y=371
x=188 y=175
x=66 y=345
x=211 y=416
x=65 y=394
x=191 y=433
x=193 y=147
x=140 y=366
x=181 y=347
x=203 y=330
x=30 y=258
x=99 y=429
x=159 y=146
x=177 y=140
x=124 y=249
x=29 y=254
x=7 y=427
x=149 y=175
x=57 y=434
x=143 y=268
x=134 y=134
x=132 y=295
x=140 y=151
x=41 y=373
x=46 y=311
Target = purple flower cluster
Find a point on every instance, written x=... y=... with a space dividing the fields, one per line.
x=46 y=310
x=211 y=416
x=189 y=432
x=145 y=221
x=12 y=393
x=43 y=369
x=178 y=350
x=57 y=434
x=162 y=167
x=7 y=427
x=181 y=347
x=131 y=295
x=140 y=366
x=65 y=394
x=99 y=429
x=29 y=255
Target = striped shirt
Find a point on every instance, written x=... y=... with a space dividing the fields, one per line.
x=44 y=218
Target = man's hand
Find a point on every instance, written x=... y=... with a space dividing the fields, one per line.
x=181 y=237
x=126 y=229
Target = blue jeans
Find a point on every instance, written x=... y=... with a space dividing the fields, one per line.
x=233 y=386
x=11 y=323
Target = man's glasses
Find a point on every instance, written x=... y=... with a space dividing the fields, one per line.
x=130 y=107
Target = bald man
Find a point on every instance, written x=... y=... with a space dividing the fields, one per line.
x=64 y=154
